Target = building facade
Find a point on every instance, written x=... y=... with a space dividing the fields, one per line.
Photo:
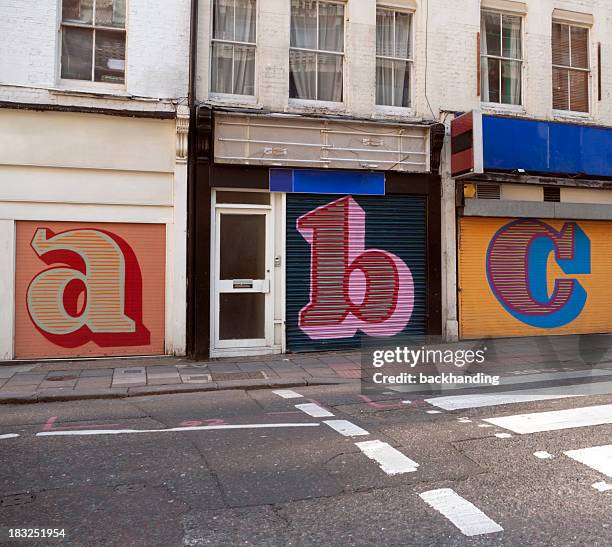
x=93 y=178
x=532 y=166
x=317 y=195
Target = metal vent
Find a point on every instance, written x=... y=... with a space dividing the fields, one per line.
x=552 y=193
x=487 y=191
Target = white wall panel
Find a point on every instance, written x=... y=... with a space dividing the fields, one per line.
x=86 y=140
x=57 y=185
x=7 y=287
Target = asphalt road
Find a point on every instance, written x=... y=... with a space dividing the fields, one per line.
x=286 y=477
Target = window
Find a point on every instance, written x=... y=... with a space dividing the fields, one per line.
x=501 y=58
x=316 y=54
x=570 y=59
x=393 y=57
x=233 y=47
x=93 y=40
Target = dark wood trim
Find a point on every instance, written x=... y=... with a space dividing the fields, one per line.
x=434 y=259
x=250 y=177
x=199 y=347
x=89 y=110
x=239 y=176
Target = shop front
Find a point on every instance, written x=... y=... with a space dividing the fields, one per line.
x=534 y=229
x=92 y=232
x=317 y=254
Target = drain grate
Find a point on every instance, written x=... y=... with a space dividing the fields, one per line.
x=17 y=499
x=222 y=376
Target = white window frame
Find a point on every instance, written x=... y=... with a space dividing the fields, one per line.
x=575 y=113
x=86 y=85
x=342 y=54
x=389 y=107
x=499 y=105
x=232 y=97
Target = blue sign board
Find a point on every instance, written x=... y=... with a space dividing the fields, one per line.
x=318 y=181
x=555 y=148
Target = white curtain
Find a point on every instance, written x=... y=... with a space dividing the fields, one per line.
x=244 y=56
x=233 y=65
x=489 y=24
x=511 y=70
x=303 y=64
x=501 y=37
x=384 y=47
x=316 y=75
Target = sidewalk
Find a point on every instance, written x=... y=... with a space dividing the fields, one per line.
x=47 y=381
x=129 y=377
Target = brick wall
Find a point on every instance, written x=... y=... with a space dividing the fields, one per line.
x=157 y=64
x=444 y=58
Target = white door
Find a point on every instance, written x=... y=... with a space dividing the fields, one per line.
x=242 y=312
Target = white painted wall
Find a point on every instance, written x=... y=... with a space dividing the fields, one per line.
x=445 y=57
x=157 y=56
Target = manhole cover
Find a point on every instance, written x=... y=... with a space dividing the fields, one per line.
x=222 y=376
x=17 y=499
x=61 y=378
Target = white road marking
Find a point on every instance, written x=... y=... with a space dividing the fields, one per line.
x=503 y=435
x=314 y=410
x=602 y=486
x=596 y=457
x=485 y=425
x=170 y=430
x=543 y=455
x=389 y=459
x=555 y=420
x=460 y=402
x=527 y=377
x=9 y=436
x=346 y=428
x=433 y=411
x=406 y=402
x=287 y=394
x=462 y=513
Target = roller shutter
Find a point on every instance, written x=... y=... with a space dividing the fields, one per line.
x=89 y=289
x=356 y=267
x=534 y=277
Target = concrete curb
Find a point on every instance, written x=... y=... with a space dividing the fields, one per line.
x=142 y=391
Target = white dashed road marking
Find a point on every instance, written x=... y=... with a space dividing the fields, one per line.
x=170 y=430
x=314 y=410
x=9 y=436
x=555 y=420
x=596 y=457
x=287 y=394
x=602 y=486
x=543 y=455
x=346 y=428
x=462 y=513
x=460 y=402
x=390 y=460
